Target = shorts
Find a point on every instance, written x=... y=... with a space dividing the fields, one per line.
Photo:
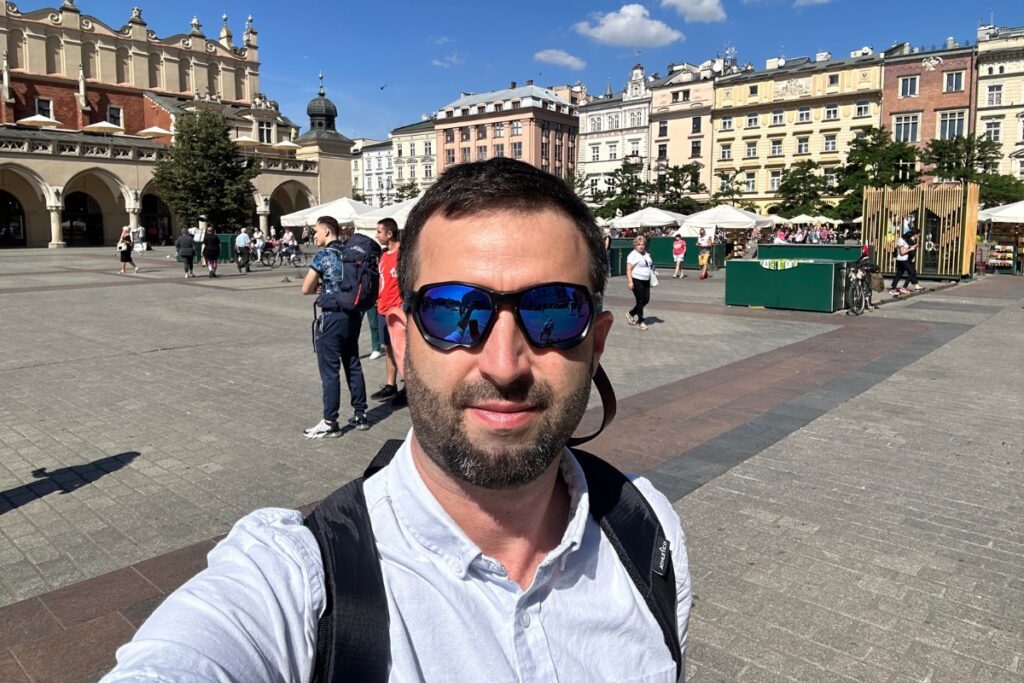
x=704 y=258
x=679 y=259
x=382 y=329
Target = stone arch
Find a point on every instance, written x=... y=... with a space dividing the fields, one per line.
x=111 y=196
x=31 y=192
x=288 y=197
x=16 y=50
x=156 y=216
x=54 y=55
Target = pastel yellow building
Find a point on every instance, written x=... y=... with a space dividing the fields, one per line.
x=1001 y=93
x=413 y=149
x=792 y=111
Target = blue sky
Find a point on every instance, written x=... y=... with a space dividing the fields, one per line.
x=425 y=53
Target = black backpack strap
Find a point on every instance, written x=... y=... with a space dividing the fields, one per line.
x=633 y=529
x=356 y=647
x=608 y=404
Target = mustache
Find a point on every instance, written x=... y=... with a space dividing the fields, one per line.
x=521 y=390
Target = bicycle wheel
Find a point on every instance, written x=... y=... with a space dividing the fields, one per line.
x=855 y=295
x=298 y=260
x=267 y=258
x=275 y=260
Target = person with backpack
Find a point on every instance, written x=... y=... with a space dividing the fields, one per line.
x=483 y=547
x=343 y=275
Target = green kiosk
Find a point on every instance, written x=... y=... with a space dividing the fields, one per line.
x=795 y=284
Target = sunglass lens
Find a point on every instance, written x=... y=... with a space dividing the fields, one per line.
x=455 y=313
x=555 y=314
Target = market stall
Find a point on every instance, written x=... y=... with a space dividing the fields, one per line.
x=1005 y=234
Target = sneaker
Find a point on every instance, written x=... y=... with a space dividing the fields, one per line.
x=894 y=292
x=631 y=319
x=904 y=290
x=400 y=399
x=384 y=393
x=643 y=326
x=360 y=421
x=323 y=429
x=374 y=355
x=917 y=288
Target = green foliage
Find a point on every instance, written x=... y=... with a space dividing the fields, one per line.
x=407 y=191
x=674 y=187
x=996 y=189
x=358 y=196
x=874 y=160
x=729 y=190
x=801 y=189
x=960 y=158
x=203 y=173
x=628 y=193
x=577 y=182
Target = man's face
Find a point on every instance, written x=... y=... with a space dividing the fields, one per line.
x=322 y=236
x=498 y=415
x=382 y=234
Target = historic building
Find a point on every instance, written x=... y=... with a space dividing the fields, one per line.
x=1000 y=114
x=357 y=164
x=526 y=122
x=87 y=109
x=614 y=130
x=378 y=174
x=412 y=148
x=794 y=110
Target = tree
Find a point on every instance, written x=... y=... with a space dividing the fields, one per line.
x=203 y=173
x=801 y=188
x=729 y=191
x=577 y=182
x=962 y=158
x=407 y=191
x=674 y=187
x=627 y=193
x=875 y=160
x=358 y=196
x=996 y=189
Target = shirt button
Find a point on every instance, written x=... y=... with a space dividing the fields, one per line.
x=524 y=619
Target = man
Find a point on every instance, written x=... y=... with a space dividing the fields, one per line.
x=288 y=243
x=493 y=564
x=259 y=241
x=704 y=255
x=388 y=297
x=242 y=245
x=337 y=334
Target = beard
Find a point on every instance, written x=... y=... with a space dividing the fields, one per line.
x=440 y=427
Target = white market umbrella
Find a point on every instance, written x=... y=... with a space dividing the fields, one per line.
x=649 y=217
x=286 y=145
x=778 y=220
x=39 y=121
x=246 y=141
x=342 y=210
x=803 y=219
x=723 y=216
x=1008 y=213
x=367 y=222
x=858 y=220
x=154 y=132
x=103 y=127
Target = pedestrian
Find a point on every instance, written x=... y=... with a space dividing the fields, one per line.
x=337 y=334
x=186 y=248
x=243 y=253
x=607 y=241
x=704 y=243
x=372 y=321
x=211 y=252
x=678 y=254
x=388 y=297
x=124 y=251
x=258 y=241
x=639 y=271
x=484 y=549
x=906 y=251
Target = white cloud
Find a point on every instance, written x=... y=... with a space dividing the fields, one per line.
x=807 y=3
x=445 y=62
x=631 y=26
x=697 y=10
x=441 y=40
x=560 y=58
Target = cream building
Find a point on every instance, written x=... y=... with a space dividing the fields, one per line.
x=357 y=163
x=794 y=110
x=378 y=174
x=1000 y=117
x=614 y=129
x=412 y=148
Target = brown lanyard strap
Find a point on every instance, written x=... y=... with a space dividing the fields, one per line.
x=607 y=394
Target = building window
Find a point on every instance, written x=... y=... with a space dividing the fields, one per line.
x=775 y=181
x=467 y=155
x=595 y=124
x=905 y=127
x=995 y=95
x=595 y=152
x=449 y=135
x=499 y=130
x=545 y=150
x=662 y=129
x=593 y=185
x=994 y=131
x=695 y=148
x=776 y=148
x=803 y=146
x=833 y=80
x=44 y=107
x=908 y=86
x=412 y=149
x=753 y=121
x=778 y=117
x=517 y=128
x=954 y=81
x=903 y=170
x=1020 y=169
x=726 y=123
x=830 y=143
x=613 y=122
x=114 y=116
x=481 y=153
x=481 y=132
x=726 y=152
x=863 y=109
x=398 y=173
x=613 y=151
x=695 y=124
x=753 y=91
x=951 y=125
x=831 y=178
x=750 y=182
x=449 y=156
x=634 y=147
x=428 y=148
x=398 y=151
x=464 y=134
x=662 y=151
x=499 y=151
x=723 y=183
x=497 y=106
x=803 y=115
x=634 y=119
x=831 y=112
x=412 y=173
x=751 y=150
x=517 y=150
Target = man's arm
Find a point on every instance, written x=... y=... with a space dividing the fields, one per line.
x=311 y=285
x=250 y=616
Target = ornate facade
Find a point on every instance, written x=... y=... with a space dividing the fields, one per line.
x=1001 y=93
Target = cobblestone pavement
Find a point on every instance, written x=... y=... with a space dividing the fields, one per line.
x=850 y=486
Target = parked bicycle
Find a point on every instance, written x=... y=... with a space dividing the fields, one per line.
x=858 y=286
x=292 y=256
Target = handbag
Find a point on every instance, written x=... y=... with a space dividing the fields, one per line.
x=654 y=279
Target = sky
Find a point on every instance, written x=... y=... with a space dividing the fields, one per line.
x=388 y=62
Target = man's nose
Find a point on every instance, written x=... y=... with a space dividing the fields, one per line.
x=503 y=356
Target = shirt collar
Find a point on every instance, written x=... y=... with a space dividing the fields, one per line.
x=426 y=521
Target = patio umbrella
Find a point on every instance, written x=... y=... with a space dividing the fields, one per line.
x=649 y=217
x=104 y=127
x=778 y=220
x=343 y=210
x=723 y=216
x=803 y=219
x=366 y=222
x=246 y=141
x=1008 y=213
x=39 y=121
x=286 y=145
x=154 y=132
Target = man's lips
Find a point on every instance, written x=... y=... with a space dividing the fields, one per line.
x=503 y=414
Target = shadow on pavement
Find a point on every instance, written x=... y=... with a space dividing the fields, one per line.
x=65 y=480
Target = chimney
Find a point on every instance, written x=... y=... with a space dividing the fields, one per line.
x=823 y=56
x=512 y=86
x=529 y=82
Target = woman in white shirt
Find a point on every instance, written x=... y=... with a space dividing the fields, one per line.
x=639 y=268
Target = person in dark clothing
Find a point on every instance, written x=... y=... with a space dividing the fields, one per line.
x=124 y=251
x=186 y=247
x=211 y=251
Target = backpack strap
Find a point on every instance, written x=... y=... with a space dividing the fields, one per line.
x=633 y=529
x=358 y=646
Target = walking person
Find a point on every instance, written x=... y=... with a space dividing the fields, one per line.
x=243 y=250
x=388 y=297
x=906 y=249
x=337 y=334
x=678 y=254
x=704 y=243
x=639 y=269
x=125 y=246
x=607 y=242
x=186 y=247
x=211 y=251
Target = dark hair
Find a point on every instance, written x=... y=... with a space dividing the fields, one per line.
x=391 y=226
x=499 y=183
x=331 y=222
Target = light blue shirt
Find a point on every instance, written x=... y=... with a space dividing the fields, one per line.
x=242 y=240
x=454 y=613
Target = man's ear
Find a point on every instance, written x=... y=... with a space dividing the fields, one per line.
x=397 y=320
x=602 y=326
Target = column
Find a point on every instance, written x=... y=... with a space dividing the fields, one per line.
x=265 y=222
x=133 y=218
x=56 y=234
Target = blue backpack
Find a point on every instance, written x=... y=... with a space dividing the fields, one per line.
x=360 y=275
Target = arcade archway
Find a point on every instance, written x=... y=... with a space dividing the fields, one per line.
x=12 y=222
x=288 y=198
x=81 y=220
x=24 y=220
x=156 y=220
x=97 y=222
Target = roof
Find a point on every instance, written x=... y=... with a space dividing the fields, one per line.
x=800 y=66
x=418 y=127
x=19 y=133
x=507 y=94
x=179 y=105
x=378 y=147
x=321 y=135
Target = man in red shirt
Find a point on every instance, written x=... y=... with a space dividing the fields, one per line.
x=389 y=297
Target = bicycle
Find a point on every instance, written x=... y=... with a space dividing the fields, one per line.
x=294 y=257
x=858 y=287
